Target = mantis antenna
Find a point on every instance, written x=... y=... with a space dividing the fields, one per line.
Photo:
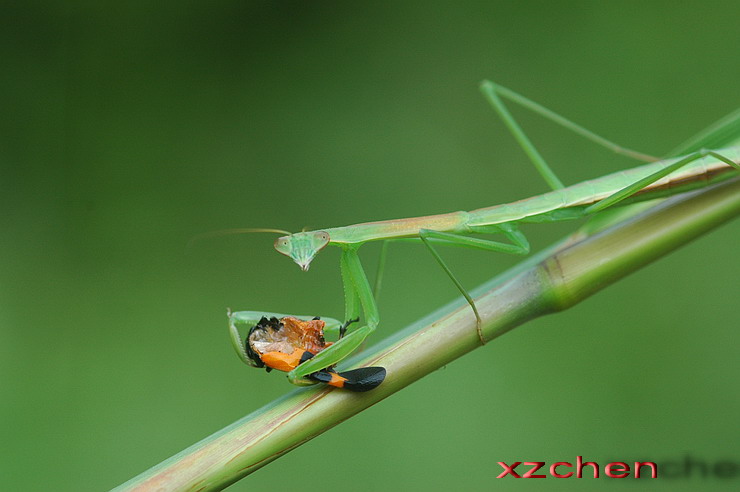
x=228 y=232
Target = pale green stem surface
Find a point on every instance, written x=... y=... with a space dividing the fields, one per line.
x=551 y=281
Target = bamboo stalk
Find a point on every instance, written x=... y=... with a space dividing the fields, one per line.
x=551 y=281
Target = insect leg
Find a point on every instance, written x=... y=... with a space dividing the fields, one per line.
x=352 y=304
x=358 y=294
x=332 y=355
x=236 y=340
x=345 y=325
x=359 y=284
x=478 y=322
x=492 y=92
x=642 y=183
x=520 y=246
x=721 y=133
x=247 y=320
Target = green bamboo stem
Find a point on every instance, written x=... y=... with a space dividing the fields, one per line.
x=551 y=281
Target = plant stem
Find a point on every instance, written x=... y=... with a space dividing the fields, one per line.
x=553 y=280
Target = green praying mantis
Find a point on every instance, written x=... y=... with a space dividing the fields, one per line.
x=689 y=166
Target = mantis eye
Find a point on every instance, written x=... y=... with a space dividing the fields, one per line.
x=282 y=245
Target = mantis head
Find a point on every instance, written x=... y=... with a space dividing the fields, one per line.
x=302 y=246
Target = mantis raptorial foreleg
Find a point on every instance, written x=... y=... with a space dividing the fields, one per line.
x=358 y=296
x=520 y=246
x=359 y=285
x=247 y=319
x=494 y=92
x=627 y=191
x=352 y=305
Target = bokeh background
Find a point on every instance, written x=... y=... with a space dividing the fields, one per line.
x=130 y=127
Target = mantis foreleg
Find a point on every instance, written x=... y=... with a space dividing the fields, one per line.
x=358 y=294
x=359 y=285
x=247 y=319
x=352 y=305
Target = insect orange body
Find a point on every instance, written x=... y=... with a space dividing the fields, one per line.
x=283 y=344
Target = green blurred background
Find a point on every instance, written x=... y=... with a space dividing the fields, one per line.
x=130 y=127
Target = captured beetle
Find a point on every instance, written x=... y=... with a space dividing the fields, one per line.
x=285 y=343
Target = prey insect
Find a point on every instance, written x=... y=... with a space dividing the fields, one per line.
x=689 y=166
x=284 y=343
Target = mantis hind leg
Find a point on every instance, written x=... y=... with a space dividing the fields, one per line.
x=519 y=246
x=494 y=92
x=638 y=185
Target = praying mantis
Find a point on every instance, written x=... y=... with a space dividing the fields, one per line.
x=689 y=166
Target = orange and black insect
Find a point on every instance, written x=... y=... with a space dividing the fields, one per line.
x=285 y=343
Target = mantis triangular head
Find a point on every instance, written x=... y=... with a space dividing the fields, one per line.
x=302 y=246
